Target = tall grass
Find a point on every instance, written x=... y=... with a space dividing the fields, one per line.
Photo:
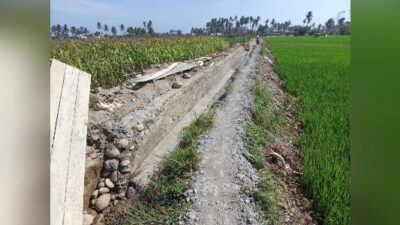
x=317 y=70
x=107 y=60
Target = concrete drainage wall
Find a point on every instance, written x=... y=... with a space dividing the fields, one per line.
x=122 y=135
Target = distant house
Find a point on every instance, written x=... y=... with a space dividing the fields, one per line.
x=81 y=36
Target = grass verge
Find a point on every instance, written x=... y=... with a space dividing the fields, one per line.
x=163 y=200
x=257 y=138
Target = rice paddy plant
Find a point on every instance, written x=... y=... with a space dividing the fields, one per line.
x=317 y=70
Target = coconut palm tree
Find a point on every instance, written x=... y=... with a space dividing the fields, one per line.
x=73 y=31
x=98 y=26
x=309 y=17
x=150 y=28
x=330 y=24
x=65 y=31
x=144 y=26
x=114 y=31
x=105 y=28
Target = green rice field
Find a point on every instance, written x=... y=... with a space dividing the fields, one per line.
x=317 y=71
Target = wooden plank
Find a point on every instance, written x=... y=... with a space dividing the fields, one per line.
x=155 y=75
x=67 y=159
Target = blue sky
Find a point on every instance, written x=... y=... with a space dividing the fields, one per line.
x=184 y=14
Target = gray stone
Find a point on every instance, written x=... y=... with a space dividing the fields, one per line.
x=188 y=193
x=251 y=220
x=95 y=137
x=93 y=201
x=140 y=127
x=125 y=155
x=186 y=76
x=125 y=163
x=105 y=173
x=125 y=170
x=123 y=143
x=177 y=84
x=122 y=181
x=102 y=202
x=121 y=195
x=108 y=126
x=114 y=177
x=100 y=185
x=111 y=165
x=103 y=190
x=240 y=176
x=191 y=215
x=95 y=194
x=99 y=220
x=254 y=177
x=112 y=153
x=287 y=219
x=130 y=192
x=92 y=212
x=109 y=184
x=87 y=219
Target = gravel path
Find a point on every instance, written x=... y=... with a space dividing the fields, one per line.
x=224 y=170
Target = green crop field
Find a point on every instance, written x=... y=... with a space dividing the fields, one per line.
x=237 y=39
x=108 y=59
x=317 y=70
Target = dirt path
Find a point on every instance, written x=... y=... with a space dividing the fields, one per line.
x=224 y=170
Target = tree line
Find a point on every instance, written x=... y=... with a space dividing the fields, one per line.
x=235 y=25
x=64 y=31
